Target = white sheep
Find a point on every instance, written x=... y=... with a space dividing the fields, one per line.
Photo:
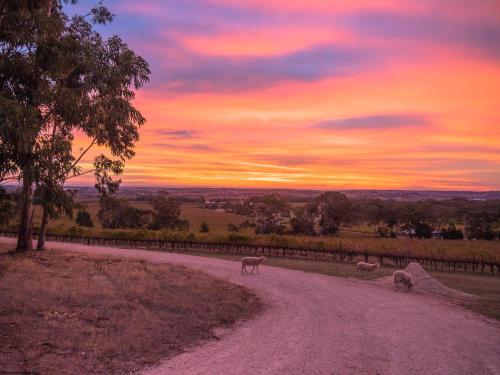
x=251 y=261
x=363 y=266
x=402 y=277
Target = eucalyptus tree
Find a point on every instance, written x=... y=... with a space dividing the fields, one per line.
x=54 y=160
x=7 y=207
x=84 y=220
x=58 y=76
x=333 y=209
x=7 y=166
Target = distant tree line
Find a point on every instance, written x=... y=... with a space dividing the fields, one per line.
x=325 y=215
x=117 y=212
x=114 y=213
x=455 y=218
x=428 y=218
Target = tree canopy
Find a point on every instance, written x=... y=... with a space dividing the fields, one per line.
x=58 y=76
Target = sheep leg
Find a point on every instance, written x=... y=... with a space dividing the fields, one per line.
x=243 y=268
x=251 y=272
x=257 y=268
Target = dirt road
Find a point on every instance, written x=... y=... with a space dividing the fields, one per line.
x=316 y=324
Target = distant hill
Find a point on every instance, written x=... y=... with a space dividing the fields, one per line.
x=298 y=194
x=194 y=193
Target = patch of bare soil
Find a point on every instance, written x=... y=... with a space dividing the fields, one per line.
x=424 y=282
x=64 y=313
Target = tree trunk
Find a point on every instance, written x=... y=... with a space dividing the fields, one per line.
x=43 y=231
x=25 y=234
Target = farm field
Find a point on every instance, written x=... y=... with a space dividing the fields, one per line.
x=216 y=220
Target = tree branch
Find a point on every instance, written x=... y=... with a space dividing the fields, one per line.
x=4 y=179
x=81 y=155
x=81 y=174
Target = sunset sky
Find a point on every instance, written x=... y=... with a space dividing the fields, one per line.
x=315 y=94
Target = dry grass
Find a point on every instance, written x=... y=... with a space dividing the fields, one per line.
x=75 y=314
x=486 y=288
x=216 y=220
x=306 y=265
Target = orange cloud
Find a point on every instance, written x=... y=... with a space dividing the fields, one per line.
x=264 y=41
x=400 y=109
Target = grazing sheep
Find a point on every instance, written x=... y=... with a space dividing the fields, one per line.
x=402 y=277
x=363 y=266
x=251 y=261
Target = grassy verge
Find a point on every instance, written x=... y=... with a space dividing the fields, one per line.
x=486 y=288
x=306 y=265
x=68 y=313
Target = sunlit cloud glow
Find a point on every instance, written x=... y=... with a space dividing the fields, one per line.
x=316 y=94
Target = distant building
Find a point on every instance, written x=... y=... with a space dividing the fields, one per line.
x=437 y=235
x=410 y=233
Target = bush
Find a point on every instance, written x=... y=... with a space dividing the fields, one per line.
x=385 y=232
x=452 y=233
x=247 y=224
x=232 y=228
x=204 y=228
x=278 y=240
x=423 y=230
x=334 y=209
x=237 y=239
x=76 y=231
x=267 y=227
x=479 y=226
x=166 y=214
x=302 y=225
x=117 y=213
x=83 y=219
x=7 y=207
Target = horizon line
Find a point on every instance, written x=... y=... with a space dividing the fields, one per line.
x=280 y=188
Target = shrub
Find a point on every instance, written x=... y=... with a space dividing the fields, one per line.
x=423 y=230
x=166 y=214
x=232 y=228
x=303 y=225
x=83 y=219
x=7 y=207
x=237 y=239
x=247 y=224
x=118 y=213
x=452 y=233
x=385 y=232
x=76 y=231
x=204 y=228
